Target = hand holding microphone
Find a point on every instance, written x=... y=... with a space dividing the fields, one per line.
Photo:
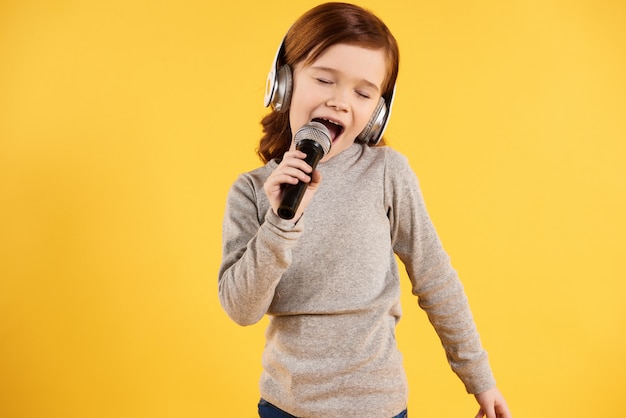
x=313 y=139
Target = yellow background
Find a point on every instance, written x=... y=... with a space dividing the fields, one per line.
x=123 y=124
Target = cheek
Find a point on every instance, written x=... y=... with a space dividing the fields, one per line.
x=296 y=118
x=364 y=115
x=300 y=108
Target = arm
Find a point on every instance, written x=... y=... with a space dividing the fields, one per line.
x=434 y=281
x=256 y=250
x=256 y=242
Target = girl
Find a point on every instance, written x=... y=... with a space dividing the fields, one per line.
x=328 y=278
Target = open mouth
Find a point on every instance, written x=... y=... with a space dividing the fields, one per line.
x=334 y=128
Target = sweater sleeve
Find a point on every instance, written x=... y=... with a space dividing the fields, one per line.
x=256 y=250
x=436 y=284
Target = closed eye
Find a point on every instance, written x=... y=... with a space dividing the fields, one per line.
x=324 y=81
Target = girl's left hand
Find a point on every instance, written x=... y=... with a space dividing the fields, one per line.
x=492 y=404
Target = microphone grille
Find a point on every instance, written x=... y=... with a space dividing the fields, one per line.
x=317 y=132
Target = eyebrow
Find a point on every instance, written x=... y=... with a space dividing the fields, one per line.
x=334 y=71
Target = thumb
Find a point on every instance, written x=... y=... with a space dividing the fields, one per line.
x=316 y=179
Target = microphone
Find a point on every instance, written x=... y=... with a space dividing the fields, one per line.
x=314 y=140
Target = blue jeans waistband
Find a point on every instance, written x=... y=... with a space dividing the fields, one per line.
x=268 y=410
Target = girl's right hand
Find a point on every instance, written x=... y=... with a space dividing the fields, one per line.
x=292 y=169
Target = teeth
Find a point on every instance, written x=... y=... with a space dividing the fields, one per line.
x=331 y=121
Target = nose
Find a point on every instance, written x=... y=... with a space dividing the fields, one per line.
x=338 y=102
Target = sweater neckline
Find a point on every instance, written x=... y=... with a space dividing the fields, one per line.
x=349 y=154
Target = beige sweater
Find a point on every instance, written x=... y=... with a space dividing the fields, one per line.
x=330 y=285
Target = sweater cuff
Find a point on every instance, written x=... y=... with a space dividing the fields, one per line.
x=284 y=225
x=481 y=379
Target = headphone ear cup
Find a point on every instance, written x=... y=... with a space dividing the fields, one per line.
x=282 y=93
x=373 y=130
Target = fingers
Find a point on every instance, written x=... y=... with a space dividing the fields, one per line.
x=490 y=412
x=486 y=413
x=492 y=404
x=502 y=409
x=291 y=170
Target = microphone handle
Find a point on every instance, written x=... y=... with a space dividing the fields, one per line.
x=292 y=193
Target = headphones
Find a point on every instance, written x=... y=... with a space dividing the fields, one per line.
x=279 y=87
